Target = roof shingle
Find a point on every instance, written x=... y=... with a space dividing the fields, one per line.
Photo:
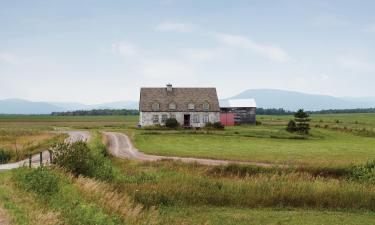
x=181 y=97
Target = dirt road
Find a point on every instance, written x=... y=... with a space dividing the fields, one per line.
x=35 y=160
x=121 y=146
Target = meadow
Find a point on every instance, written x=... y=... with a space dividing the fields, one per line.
x=321 y=186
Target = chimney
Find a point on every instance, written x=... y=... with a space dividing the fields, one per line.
x=169 y=87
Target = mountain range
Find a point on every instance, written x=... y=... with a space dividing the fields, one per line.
x=265 y=98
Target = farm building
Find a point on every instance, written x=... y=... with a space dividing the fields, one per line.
x=238 y=111
x=191 y=107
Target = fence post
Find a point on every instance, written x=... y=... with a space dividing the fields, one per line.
x=50 y=156
x=41 y=158
x=30 y=160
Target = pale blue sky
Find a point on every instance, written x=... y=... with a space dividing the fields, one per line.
x=98 y=51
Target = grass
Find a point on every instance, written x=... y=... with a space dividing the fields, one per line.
x=334 y=148
x=244 y=216
x=20 y=142
x=316 y=191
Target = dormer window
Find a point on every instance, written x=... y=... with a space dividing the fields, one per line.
x=191 y=106
x=155 y=106
x=206 y=106
x=172 y=106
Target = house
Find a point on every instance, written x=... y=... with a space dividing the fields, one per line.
x=238 y=111
x=191 y=107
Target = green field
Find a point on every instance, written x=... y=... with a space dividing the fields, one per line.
x=323 y=191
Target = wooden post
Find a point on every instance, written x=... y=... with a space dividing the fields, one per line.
x=50 y=156
x=41 y=158
x=30 y=160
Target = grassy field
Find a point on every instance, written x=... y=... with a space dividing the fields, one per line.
x=324 y=191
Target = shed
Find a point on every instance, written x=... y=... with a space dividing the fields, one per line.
x=243 y=111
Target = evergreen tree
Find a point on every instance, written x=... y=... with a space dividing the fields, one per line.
x=302 y=121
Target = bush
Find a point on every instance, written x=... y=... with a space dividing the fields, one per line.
x=40 y=180
x=171 y=123
x=79 y=160
x=5 y=156
x=258 y=123
x=212 y=126
x=364 y=173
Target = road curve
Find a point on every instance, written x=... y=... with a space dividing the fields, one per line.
x=35 y=160
x=120 y=146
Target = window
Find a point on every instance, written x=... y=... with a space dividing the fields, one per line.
x=196 y=118
x=155 y=106
x=164 y=118
x=206 y=118
x=172 y=106
x=206 y=106
x=191 y=106
x=155 y=119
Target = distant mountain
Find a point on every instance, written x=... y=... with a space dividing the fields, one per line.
x=265 y=98
x=290 y=100
x=20 y=106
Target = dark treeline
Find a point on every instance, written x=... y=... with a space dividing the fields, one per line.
x=336 y=111
x=259 y=111
x=98 y=112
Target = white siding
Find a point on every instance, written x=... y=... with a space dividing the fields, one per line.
x=146 y=118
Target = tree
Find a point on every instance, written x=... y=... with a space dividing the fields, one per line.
x=302 y=121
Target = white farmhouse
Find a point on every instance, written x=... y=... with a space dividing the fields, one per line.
x=192 y=107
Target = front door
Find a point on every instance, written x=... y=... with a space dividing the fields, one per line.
x=187 y=120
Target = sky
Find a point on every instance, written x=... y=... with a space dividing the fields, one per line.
x=94 y=51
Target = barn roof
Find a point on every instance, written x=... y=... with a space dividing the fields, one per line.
x=238 y=103
x=180 y=96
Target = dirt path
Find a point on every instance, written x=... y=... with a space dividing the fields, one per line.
x=35 y=160
x=121 y=146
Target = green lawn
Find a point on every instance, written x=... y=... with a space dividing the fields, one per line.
x=243 y=216
x=262 y=144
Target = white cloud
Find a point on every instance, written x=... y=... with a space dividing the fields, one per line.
x=175 y=26
x=355 y=63
x=203 y=54
x=125 y=49
x=7 y=58
x=271 y=52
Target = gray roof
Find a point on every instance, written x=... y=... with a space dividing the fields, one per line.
x=181 y=97
x=238 y=103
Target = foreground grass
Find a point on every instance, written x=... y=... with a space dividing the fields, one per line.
x=243 y=216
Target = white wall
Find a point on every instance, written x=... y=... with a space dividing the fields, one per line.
x=146 y=118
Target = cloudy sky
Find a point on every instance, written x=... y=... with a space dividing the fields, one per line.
x=98 y=51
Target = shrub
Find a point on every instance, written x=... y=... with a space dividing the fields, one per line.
x=218 y=125
x=79 y=160
x=40 y=180
x=213 y=126
x=171 y=123
x=364 y=173
x=4 y=156
x=258 y=123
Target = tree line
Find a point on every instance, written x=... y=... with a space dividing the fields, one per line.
x=98 y=112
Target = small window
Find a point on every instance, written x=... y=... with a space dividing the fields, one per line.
x=206 y=118
x=164 y=118
x=155 y=106
x=206 y=106
x=191 y=106
x=196 y=118
x=155 y=119
x=172 y=106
